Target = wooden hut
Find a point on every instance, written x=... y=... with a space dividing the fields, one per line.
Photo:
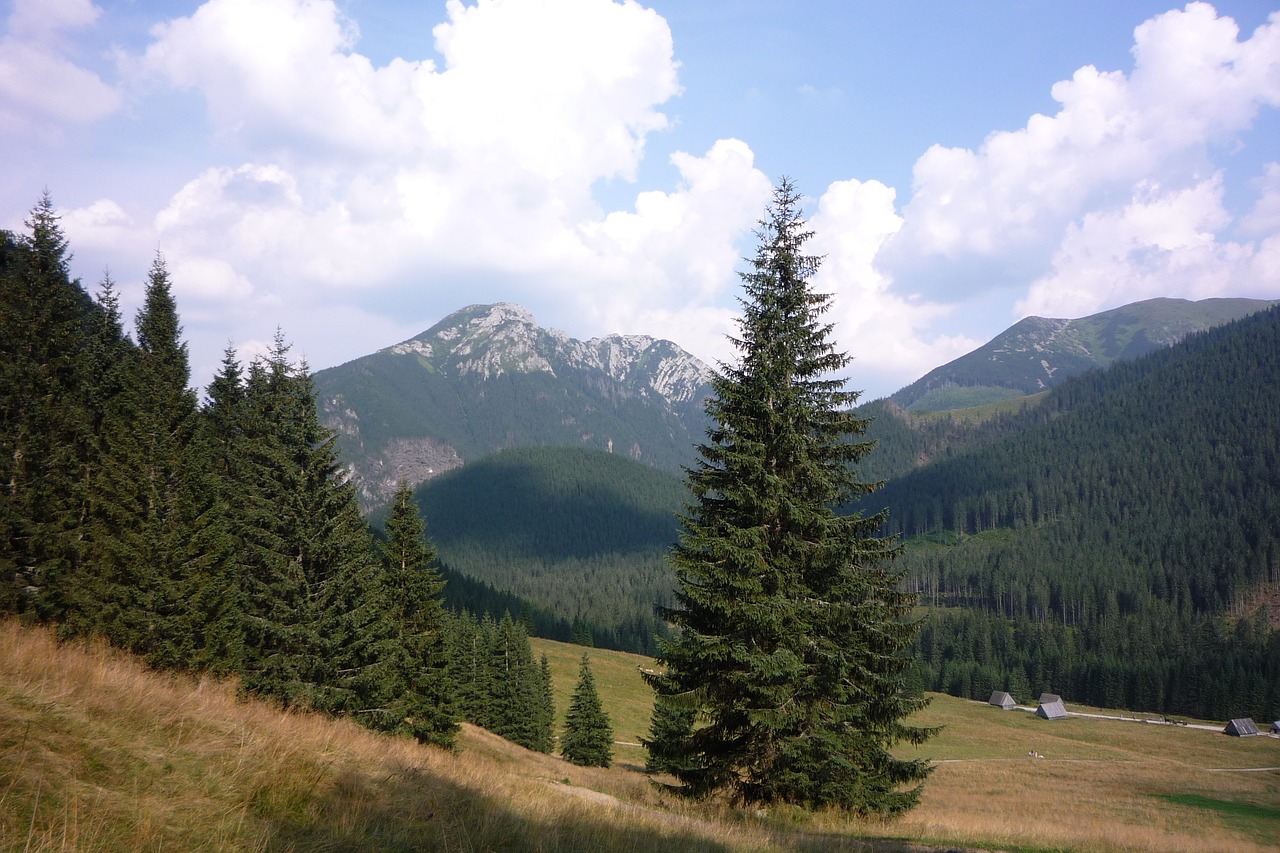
x=1002 y=700
x=1054 y=710
x=1275 y=727
x=1242 y=728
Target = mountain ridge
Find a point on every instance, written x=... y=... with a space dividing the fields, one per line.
x=1038 y=353
x=488 y=377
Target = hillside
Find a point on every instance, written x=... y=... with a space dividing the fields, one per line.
x=580 y=534
x=1039 y=353
x=488 y=377
x=98 y=753
x=1120 y=538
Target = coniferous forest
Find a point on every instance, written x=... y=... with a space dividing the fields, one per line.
x=1116 y=541
x=220 y=534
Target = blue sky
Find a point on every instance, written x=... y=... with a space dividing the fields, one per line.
x=354 y=171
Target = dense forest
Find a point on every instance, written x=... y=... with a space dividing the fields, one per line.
x=581 y=535
x=221 y=535
x=1117 y=542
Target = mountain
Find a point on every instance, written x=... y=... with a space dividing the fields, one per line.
x=489 y=377
x=1038 y=353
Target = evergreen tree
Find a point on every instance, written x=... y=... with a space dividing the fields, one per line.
x=588 y=735
x=219 y=600
x=468 y=670
x=792 y=633
x=307 y=548
x=669 y=731
x=149 y=588
x=542 y=734
x=44 y=429
x=416 y=678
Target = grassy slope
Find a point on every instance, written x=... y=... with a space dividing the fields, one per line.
x=98 y=754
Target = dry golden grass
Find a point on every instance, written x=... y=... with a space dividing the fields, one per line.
x=97 y=753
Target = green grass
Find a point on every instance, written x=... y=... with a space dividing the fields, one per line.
x=625 y=697
x=1260 y=821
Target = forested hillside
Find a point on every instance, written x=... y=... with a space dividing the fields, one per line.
x=581 y=534
x=1119 y=542
x=221 y=537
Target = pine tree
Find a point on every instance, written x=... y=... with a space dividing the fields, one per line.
x=467 y=668
x=544 y=711
x=148 y=596
x=588 y=735
x=792 y=633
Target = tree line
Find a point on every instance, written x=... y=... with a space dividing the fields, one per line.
x=221 y=535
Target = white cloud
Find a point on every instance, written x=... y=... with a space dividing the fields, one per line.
x=677 y=249
x=1194 y=84
x=1264 y=218
x=884 y=330
x=393 y=184
x=1162 y=243
x=42 y=88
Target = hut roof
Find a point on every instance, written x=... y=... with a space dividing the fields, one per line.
x=1046 y=698
x=1052 y=710
x=1245 y=727
x=1275 y=727
x=1002 y=699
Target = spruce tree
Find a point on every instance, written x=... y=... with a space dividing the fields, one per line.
x=792 y=632
x=669 y=730
x=415 y=672
x=44 y=428
x=306 y=546
x=588 y=735
x=544 y=711
x=149 y=594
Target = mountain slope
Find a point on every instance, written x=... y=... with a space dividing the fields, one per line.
x=1126 y=531
x=581 y=534
x=1039 y=353
x=488 y=377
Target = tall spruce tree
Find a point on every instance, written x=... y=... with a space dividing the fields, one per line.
x=43 y=424
x=306 y=546
x=588 y=734
x=792 y=633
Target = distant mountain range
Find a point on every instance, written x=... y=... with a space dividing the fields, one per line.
x=1039 y=353
x=489 y=377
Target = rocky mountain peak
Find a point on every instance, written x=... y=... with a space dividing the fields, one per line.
x=488 y=341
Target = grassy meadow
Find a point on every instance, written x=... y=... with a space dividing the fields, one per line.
x=98 y=753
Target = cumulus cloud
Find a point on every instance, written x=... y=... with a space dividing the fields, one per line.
x=42 y=87
x=1002 y=209
x=1162 y=243
x=887 y=331
x=677 y=249
x=370 y=184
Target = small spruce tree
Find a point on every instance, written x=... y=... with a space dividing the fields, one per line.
x=588 y=735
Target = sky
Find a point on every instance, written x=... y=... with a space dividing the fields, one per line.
x=352 y=171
